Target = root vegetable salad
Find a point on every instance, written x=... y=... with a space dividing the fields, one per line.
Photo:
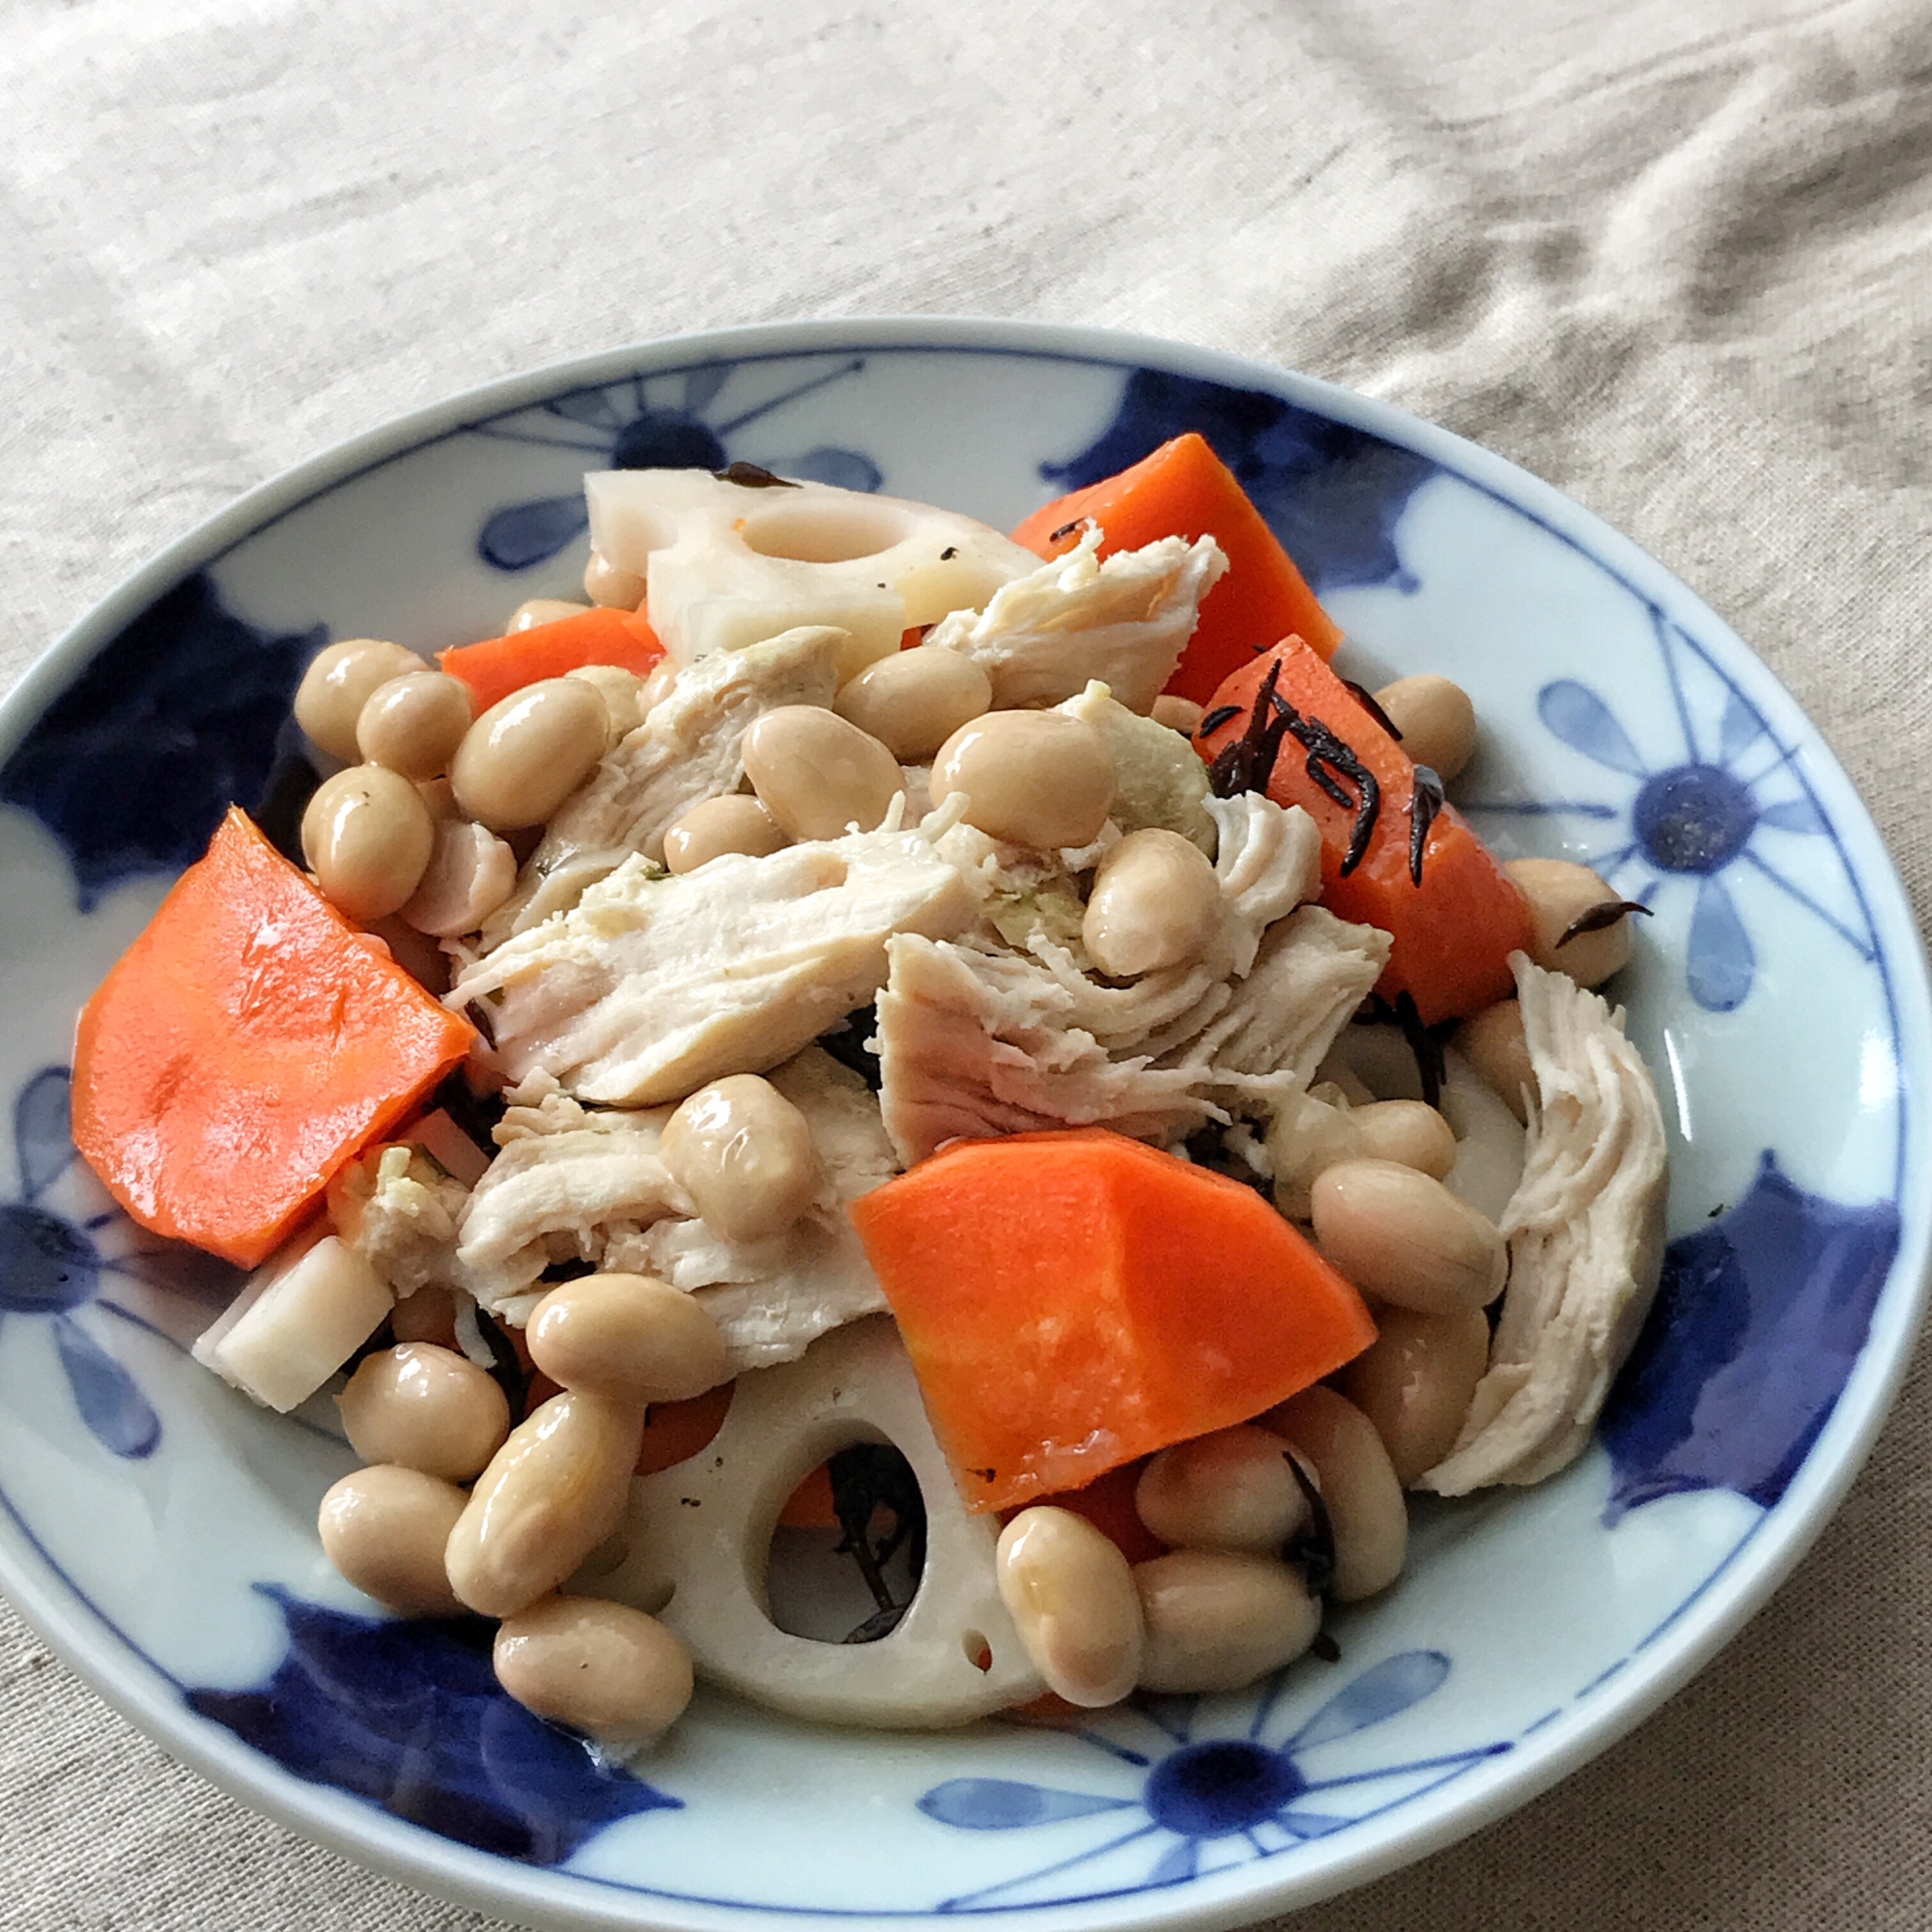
x=990 y=1038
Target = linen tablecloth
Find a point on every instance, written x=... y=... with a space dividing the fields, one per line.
x=1672 y=255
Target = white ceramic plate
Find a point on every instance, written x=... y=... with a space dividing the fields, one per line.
x=159 y=1530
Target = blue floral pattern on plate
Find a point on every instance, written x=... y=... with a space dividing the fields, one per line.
x=183 y=714
x=1691 y=817
x=408 y=1714
x=52 y=1269
x=1199 y=1798
x=405 y=1718
x=643 y=425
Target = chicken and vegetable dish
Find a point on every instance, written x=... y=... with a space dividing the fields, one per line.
x=984 y=1049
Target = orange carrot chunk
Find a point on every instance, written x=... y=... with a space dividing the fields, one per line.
x=1453 y=932
x=245 y=1046
x=1185 y=490
x=500 y=666
x=1073 y=1299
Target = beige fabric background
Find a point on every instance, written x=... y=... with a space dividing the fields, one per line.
x=1671 y=254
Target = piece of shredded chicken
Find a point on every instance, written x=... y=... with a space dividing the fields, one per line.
x=684 y=752
x=976 y=1038
x=578 y=1185
x=1586 y=1229
x=771 y=1299
x=652 y=985
x=1124 y=620
x=567 y=1179
x=399 y=1210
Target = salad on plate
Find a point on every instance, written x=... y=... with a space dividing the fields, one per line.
x=982 y=1057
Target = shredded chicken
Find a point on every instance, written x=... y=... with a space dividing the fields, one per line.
x=977 y=1040
x=566 y=1183
x=1124 y=620
x=652 y=985
x=685 y=751
x=573 y=1184
x=1586 y=1229
x=771 y=1299
x=399 y=1211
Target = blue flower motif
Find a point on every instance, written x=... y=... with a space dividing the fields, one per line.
x=634 y=425
x=183 y=714
x=52 y=1269
x=407 y=1714
x=1199 y=1798
x=1692 y=818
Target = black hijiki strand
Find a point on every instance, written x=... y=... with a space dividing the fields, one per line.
x=1248 y=763
x=476 y=1114
x=1594 y=919
x=1222 y=714
x=1366 y=698
x=478 y=1016
x=1425 y=1043
x=1068 y=530
x=752 y=477
x=512 y=1377
x=864 y=1477
x=1205 y=1147
x=1329 y=755
x=1310 y=1553
x=846 y=1044
x=1425 y=801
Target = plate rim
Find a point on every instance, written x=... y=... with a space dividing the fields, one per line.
x=1704 y=1623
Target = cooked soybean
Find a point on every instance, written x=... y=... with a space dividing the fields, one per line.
x=1072 y=1600
x=385 y=1529
x=340 y=680
x=1359 y=1489
x=1155 y=902
x=716 y=826
x=1219 y=1619
x=1416 y=1380
x=551 y=1494
x=1408 y=1132
x=629 y=1338
x=817 y=774
x=1437 y=721
x=1492 y=1042
x=914 y=700
x=744 y=1156
x=414 y=723
x=528 y=753
x=367 y=836
x=604 y=1670
x=1178 y=714
x=535 y=610
x=1557 y=892
x=424 y=1407
x=1233 y=1490
x=1039 y=778
x=1399 y=1235
x=607 y=584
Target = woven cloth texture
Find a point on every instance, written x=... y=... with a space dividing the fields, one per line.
x=1672 y=255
